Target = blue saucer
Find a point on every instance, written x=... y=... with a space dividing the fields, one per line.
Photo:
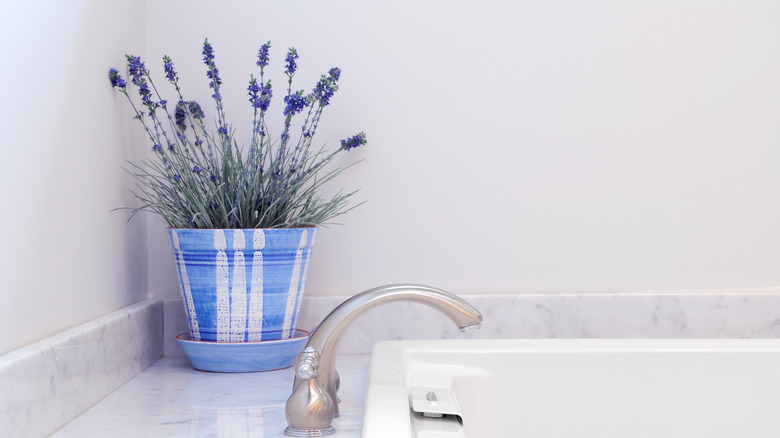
x=243 y=357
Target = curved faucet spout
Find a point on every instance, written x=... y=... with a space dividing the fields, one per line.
x=326 y=337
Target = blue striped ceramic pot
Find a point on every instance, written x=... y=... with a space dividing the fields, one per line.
x=242 y=285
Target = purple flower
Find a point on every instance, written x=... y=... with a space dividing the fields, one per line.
x=222 y=130
x=295 y=103
x=265 y=96
x=208 y=52
x=177 y=177
x=157 y=147
x=254 y=91
x=262 y=55
x=170 y=73
x=259 y=95
x=195 y=110
x=136 y=68
x=137 y=71
x=292 y=55
x=196 y=169
x=353 y=142
x=116 y=79
x=180 y=115
x=325 y=89
x=212 y=73
x=334 y=73
x=146 y=95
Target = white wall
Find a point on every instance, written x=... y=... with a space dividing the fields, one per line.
x=66 y=258
x=514 y=146
x=526 y=145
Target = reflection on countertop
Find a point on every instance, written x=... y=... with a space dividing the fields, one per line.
x=171 y=399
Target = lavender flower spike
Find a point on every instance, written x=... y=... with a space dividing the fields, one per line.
x=208 y=52
x=180 y=115
x=326 y=87
x=116 y=79
x=136 y=68
x=296 y=102
x=195 y=110
x=292 y=66
x=212 y=73
x=354 y=141
x=170 y=73
x=259 y=95
x=262 y=55
x=335 y=74
x=254 y=91
x=265 y=96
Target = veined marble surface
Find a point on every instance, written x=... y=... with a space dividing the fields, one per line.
x=48 y=383
x=732 y=313
x=171 y=399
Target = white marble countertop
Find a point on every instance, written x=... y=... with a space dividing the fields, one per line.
x=171 y=399
x=47 y=384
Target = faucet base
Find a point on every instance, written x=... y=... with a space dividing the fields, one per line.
x=330 y=430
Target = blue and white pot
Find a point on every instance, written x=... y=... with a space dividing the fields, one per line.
x=242 y=285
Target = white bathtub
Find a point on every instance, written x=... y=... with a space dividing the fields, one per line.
x=575 y=388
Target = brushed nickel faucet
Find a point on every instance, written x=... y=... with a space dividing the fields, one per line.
x=313 y=404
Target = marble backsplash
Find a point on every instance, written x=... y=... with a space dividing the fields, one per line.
x=46 y=384
x=732 y=313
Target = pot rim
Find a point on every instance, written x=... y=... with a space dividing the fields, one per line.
x=306 y=334
x=264 y=229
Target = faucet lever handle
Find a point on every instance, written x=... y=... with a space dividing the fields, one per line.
x=308 y=364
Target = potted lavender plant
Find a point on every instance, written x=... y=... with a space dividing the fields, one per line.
x=242 y=223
